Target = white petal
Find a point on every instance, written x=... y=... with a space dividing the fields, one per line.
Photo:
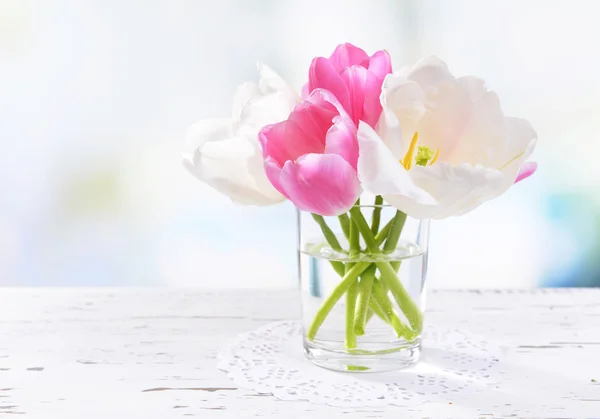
x=227 y=155
x=390 y=131
x=430 y=73
x=403 y=107
x=224 y=165
x=457 y=188
x=404 y=97
x=520 y=143
x=380 y=173
x=264 y=110
x=448 y=114
x=271 y=82
x=214 y=129
x=520 y=137
x=483 y=138
x=243 y=94
x=256 y=169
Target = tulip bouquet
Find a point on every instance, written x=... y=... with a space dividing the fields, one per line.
x=421 y=141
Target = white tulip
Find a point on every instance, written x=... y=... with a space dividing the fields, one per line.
x=226 y=152
x=443 y=145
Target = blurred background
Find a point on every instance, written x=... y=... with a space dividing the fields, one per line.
x=96 y=95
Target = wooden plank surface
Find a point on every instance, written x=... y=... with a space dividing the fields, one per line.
x=151 y=353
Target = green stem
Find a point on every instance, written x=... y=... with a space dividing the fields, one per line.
x=394 y=234
x=350 y=312
x=333 y=298
x=351 y=295
x=388 y=274
x=406 y=304
x=382 y=300
x=365 y=230
x=375 y=309
x=382 y=235
x=354 y=242
x=364 y=296
x=345 y=224
x=371 y=312
x=328 y=233
x=392 y=240
x=376 y=214
x=338 y=267
x=332 y=241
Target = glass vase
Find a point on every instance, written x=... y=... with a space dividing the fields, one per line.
x=362 y=283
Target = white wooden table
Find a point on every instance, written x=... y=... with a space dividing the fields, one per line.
x=149 y=353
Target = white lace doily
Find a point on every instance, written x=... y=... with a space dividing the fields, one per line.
x=453 y=365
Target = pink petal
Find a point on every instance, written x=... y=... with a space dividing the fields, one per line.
x=304 y=131
x=380 y=64
x=324 y=184
x=355 y=78
x=273 y=170
x=323 y=75
x=314 y=119
x=346 y=55
x=372 y=103
x=364 y=88
x=318 y=96
x=286 y=141
x=526 y=170
x=341 y=140
x=304 y=91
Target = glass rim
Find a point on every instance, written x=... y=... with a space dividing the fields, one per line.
x=372 y=206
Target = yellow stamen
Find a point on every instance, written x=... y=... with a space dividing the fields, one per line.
x=435 y=157
x=408 y=157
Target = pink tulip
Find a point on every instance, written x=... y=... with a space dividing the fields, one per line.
x=311 y=157
x=526 y=170
x=354 y=78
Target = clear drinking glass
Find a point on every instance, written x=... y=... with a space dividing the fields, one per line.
x=362 y=310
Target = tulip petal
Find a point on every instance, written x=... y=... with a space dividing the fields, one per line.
x=355 y=78
x=390 y=131
x=223 y=166
x=457 y=188
x=287 y=141
x=526 y=170
x=442 y=126
x=272 y=171
x=263 y=110
x=380 y=64
x=215 y=129
x=341 y=140
x=304 y=91
x=243 y=95
x=520 y=143
x=324 y=75
x=319 y=96
x=271 y=82
x=314 y=118
x=405 y=100
x=381 y=174
x=364 y=88
x=346 y=55
x=266 y=103
x=483 y=137
x=227 y=155
x=430 y=73
x=324 y=184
